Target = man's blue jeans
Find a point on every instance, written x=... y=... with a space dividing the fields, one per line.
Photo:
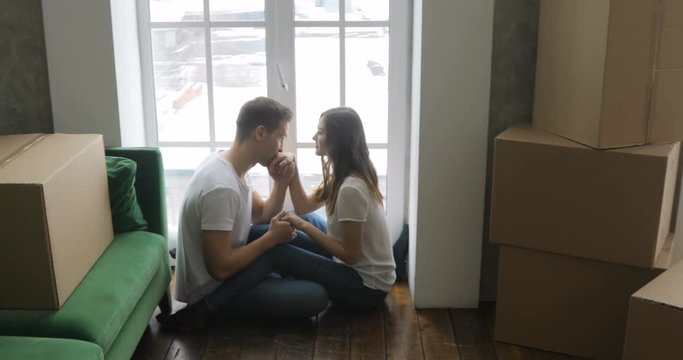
x=319 y=278
x=256 y=290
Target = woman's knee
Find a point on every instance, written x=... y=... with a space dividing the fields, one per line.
x=317 y=220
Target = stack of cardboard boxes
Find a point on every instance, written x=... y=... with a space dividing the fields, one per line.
x=582 y=200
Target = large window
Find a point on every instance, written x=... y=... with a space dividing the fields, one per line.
x=202 y=59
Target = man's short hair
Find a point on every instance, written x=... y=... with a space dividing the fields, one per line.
x=261 y=111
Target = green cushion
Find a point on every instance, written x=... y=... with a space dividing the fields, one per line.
x=149 y=184
x=98 y=308
x=125 y=211
x=28 y=348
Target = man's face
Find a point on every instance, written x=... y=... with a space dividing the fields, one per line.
x=273 y=142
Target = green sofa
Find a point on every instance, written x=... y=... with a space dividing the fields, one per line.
x=107 y=314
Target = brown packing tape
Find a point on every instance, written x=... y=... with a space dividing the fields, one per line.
x=22 y=149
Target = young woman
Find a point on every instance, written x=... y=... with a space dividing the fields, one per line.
x=362 y=268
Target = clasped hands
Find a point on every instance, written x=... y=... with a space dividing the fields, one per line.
x=282 y=168
x=284 y=225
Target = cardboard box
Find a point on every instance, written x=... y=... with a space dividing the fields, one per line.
x=594 y=71
x=555 y=195
x=655 y=319
x=566 y=304
x=55 y=219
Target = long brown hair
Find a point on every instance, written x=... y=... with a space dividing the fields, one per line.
x=347 y=154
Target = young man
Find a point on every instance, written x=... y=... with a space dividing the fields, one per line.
x=216 y=265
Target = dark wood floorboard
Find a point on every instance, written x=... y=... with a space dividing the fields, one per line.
x=258 y=339
x=436 y=332
x=395 y=331
x=296 y=339
x=402 y=332
x=188 y=346
x=472 y=334
x=333 y=338
x=367 y=335
x=224 y=342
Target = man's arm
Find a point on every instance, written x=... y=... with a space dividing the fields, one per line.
x=222 y=261
x=264 y=210
x=281 y=170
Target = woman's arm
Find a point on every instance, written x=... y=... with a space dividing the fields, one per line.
x=349 y=250
x=303 y=203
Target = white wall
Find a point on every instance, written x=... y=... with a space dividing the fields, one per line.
x=399 y=113
x=80 y=49
x=451 y=84
x=128 y=72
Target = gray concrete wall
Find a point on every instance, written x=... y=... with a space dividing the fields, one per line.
x=24 y=88
x=515 y=30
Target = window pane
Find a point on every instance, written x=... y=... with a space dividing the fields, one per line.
x=310 y=168
x=183 y=158
x=317 y=77
x=239 y=74
x=316 y=10
x=180 y=84
x=359 y=10
x=259 y=180
x=176 y=10
x=379 y=160
x=367 y=87
x=237 y=10
x=179 y=165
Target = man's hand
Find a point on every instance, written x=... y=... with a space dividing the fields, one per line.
x=281 y=168
x=281 y=231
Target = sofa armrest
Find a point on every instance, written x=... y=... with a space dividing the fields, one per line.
x=149 y=184
x=29 y=348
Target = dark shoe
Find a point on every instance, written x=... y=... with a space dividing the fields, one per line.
x=192 y=317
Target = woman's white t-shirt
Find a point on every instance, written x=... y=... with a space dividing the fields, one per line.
x=355 y=203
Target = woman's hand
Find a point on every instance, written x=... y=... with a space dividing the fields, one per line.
x=294 y=219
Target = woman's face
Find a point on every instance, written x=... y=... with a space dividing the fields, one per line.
x=319 y=138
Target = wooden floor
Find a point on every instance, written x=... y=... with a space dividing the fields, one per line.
x=396 y=331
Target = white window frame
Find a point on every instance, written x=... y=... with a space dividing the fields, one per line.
x=282 y=87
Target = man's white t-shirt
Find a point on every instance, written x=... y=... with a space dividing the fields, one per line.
x=355 y=203
x=216 y=199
